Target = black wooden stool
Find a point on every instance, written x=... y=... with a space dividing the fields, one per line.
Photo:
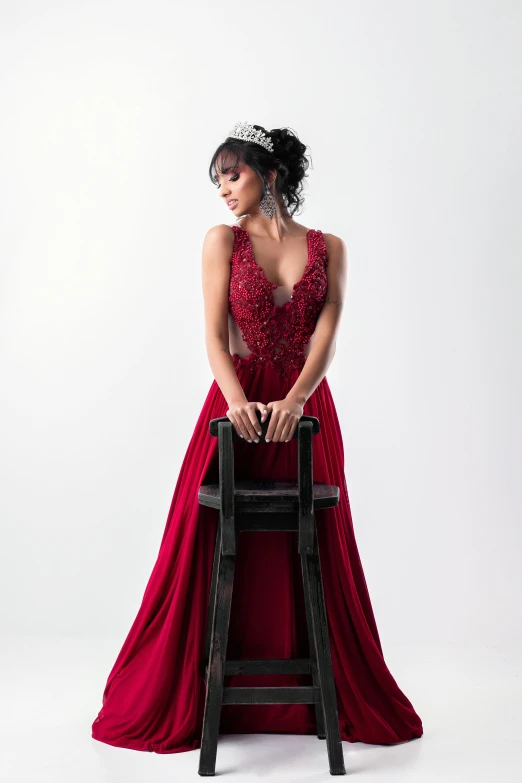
x=266 y=506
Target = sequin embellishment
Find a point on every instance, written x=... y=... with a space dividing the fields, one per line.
x=275 y=334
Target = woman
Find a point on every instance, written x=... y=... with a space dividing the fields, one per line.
x=273 y=293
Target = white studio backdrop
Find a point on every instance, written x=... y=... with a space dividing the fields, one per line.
x=110 y=114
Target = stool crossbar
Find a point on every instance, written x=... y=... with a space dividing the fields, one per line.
x=264 y=505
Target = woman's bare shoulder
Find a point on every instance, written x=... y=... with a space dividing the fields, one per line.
x=219 y=239
x=218 y=245
x=220 y=233
x=334 y=242
x=336 y=253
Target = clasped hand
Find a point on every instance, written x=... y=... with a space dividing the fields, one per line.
x=284 y=416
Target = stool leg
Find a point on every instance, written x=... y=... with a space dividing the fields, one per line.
x=319 y=715
x=212 y=597
x=313 y=587
x=216 y=666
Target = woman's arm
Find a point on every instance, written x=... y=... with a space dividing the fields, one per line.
x=322 y=349
x=217 y=251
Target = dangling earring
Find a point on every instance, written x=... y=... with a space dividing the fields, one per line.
x=267 y=205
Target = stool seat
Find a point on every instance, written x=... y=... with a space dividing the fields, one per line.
x=253 y=495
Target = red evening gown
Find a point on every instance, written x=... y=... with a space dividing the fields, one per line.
x=154 y=696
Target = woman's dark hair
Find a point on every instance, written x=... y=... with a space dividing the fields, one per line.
x=288 y=159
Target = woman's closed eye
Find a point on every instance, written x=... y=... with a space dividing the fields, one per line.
x=232 y=179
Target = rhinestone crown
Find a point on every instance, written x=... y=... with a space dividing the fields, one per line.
x=247 y=132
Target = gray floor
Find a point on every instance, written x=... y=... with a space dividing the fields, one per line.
x=469 y=698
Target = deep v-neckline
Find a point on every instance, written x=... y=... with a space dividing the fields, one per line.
x=275 y=285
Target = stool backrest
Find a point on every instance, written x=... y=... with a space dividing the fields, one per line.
x=222 y=428
x=214 y=426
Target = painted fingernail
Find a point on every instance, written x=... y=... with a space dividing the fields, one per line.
x=249 y=440
x=259 y=433
x=267 y=440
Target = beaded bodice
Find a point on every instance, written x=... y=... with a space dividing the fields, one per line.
x=275 y=334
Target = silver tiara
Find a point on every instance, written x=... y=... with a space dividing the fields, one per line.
x=247 y=132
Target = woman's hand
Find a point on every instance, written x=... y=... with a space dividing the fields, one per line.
x=243 y=417
x=283 y=421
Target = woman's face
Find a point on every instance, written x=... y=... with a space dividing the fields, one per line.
x=242 y=186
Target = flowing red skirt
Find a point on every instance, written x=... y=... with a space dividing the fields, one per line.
x=154 y=695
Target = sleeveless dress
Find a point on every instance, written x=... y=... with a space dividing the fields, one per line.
x=154 y=696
